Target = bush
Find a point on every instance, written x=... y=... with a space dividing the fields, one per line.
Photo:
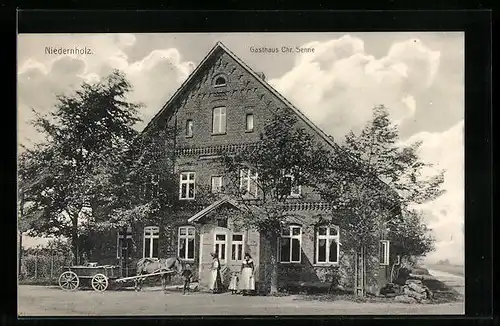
x=43 y=267
x=420 y=271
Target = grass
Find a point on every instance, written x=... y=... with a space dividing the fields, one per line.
x=452 y=269
x=38 y=282
x=441 y=294
x=446 y=296
x=344 y=297
x=438 y=298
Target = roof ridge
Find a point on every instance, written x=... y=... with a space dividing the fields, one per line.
x=329 y=139
x=181 y=87
x=219 y=44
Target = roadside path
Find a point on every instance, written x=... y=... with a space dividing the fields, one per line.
x=456 y=282
x=39 y=301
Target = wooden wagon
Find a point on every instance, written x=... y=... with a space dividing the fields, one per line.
x=99 y=277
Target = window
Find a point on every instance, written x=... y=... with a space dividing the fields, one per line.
x=220 y=81
x=249 y=122
x=220 y=246
x=222 y=222
x=151 y=237
x=219 y=120
x=122 y=241
x=187 y=184
x=150 y=188
x=237 y=247
x=292 y=189
x=248 y=182
x=384 y=252
x=327 y=244
x=186 y=242
x=155 y=185
x=189 y=128
x=290 y=244
x=216 y=184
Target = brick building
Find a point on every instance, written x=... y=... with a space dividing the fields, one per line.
x=223 y=105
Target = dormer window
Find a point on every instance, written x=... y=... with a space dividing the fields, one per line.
x=220 y=81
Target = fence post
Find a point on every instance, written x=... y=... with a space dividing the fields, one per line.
x=36 y=262
x=52 y=265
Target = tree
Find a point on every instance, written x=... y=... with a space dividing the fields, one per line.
x=63 y=179
x=285 y=157
x=145 y=184
x=409 y=235
x=376 y=192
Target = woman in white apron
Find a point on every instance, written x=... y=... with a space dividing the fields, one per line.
x=247 y=280
x=216 y=279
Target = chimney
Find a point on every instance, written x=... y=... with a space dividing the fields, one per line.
x=261 y=75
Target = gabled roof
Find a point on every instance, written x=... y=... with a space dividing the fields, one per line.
x=212 y=207
x=220 y=46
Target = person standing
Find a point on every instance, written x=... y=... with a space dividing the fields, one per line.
x=247 y=281
x=216 y=279
x=187 y=274
x=233 y=285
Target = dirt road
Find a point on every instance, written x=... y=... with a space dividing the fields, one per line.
x=454 y=281
x=51 y=301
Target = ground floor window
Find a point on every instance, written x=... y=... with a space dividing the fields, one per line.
x=151 y=241
x=123 y=237
x=237 y=247
x=327 y=244
x=220 y=245
x=290 y=244
x=186 y=242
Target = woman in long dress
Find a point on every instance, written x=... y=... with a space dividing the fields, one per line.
x=247 y=281
x=216 y=279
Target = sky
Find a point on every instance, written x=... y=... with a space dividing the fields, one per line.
x=418 y=76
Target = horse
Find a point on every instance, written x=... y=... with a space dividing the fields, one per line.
x=147 y=266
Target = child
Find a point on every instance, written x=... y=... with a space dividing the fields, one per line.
x=187 y=274
x=233 y=285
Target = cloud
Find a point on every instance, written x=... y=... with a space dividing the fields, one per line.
x=154 y=78
x=446 y=214
x=337 y=87
x=339 y=84
x=410 y=103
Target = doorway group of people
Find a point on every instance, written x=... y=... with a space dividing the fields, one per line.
x=242 y=281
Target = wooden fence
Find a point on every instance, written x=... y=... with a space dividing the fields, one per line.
x=43 y=267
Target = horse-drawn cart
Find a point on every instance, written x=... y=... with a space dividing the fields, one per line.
x=100 y=277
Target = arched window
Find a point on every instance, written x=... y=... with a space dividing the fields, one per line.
x=220 y=81
x=327 y=244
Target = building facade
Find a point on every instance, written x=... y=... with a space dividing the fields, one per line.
x=224 y=105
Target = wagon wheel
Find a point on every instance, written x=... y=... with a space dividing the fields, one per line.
x=99 y=282
x=69 y=281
